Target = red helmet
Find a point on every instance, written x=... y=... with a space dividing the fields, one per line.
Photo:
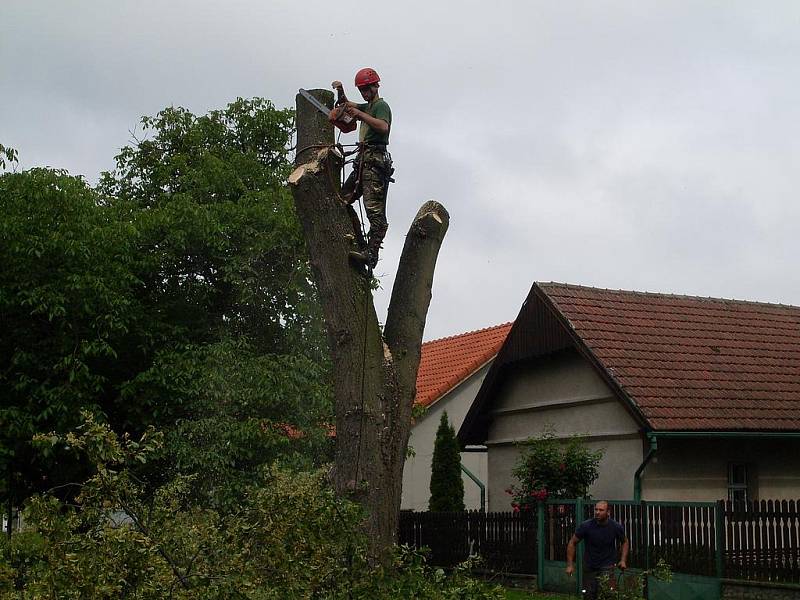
x=366 y=76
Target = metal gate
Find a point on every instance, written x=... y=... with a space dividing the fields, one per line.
x=685 y=535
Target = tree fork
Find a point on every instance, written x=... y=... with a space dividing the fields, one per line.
x=374 y=374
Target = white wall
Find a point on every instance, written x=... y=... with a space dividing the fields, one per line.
x=565 y=392
x=417 y=470
x=697 y=469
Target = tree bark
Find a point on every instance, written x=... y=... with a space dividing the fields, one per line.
x=374 y=373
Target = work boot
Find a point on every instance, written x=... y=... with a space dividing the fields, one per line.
x=365 y=257
x=372 y=254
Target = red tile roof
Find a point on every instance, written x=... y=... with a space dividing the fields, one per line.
x=692 y=363
x=446 y=362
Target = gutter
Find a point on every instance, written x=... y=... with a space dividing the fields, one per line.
x=652 y=437
x=479 y=483
x=637 y=476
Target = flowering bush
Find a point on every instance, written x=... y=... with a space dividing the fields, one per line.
x=553 y=468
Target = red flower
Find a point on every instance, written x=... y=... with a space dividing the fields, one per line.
x=540 y=495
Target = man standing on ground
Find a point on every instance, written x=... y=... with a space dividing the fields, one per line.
x=604 y=541
x=372 y=168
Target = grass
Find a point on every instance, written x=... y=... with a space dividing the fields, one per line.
x=512 y=594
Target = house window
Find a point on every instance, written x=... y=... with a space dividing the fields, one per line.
x=737 y=482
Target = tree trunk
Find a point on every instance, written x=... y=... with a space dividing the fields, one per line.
x=374 y=374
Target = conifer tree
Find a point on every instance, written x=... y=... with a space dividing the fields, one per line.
x=447 y=487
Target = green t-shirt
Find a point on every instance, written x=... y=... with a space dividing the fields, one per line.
x=380 y=110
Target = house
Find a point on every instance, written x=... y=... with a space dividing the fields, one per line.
x=450 y=373
x=691 y=398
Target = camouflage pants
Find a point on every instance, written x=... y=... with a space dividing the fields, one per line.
x=370 y=179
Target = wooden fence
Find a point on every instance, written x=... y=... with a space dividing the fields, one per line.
x=506 y=541
x=757 y=541
x=762 y=540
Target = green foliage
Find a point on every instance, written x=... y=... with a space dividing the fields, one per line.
x=220 y=245
x=447 y=487
x=291 y=538
x=67 y=295
x=411 y=577
x=244 y=403
x=631 y=586
x=515 y=594
x=219 y=248
x=548 y=467
x=418 y=411
x=226 y=277
x=7 y=154
x=178 y=293
x=118 y=539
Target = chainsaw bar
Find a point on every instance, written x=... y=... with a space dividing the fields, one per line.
x=314 y=102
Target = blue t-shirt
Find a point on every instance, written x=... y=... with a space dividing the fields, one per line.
x=600 y=542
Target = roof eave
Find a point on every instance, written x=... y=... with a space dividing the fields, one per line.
x=688 y=433
x=607 y=376
x=449 y=390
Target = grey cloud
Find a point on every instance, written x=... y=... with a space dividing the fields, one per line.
x=637 y=145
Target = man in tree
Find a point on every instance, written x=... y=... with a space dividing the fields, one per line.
x=374 y=368
x=605 y=540
x=372 y=168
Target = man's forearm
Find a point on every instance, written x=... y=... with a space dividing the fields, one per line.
x=570 y=553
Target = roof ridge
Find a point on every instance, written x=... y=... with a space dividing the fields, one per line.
x=466 y=333
x=543 y=284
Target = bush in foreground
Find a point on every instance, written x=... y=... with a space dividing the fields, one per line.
x=291 y=537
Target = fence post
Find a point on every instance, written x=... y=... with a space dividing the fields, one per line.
x=540 y=544
x=718 y=538
x=646 y=516
x=579 y=550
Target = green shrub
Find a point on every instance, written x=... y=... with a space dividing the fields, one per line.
x=411 y=577
x=631 y=586
x=447 y=487
x=553 y=468
x=289 y=537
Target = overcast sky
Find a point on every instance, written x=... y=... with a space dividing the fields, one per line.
x=642 y=145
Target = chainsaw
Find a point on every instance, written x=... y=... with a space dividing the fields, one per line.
x=340 y=119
